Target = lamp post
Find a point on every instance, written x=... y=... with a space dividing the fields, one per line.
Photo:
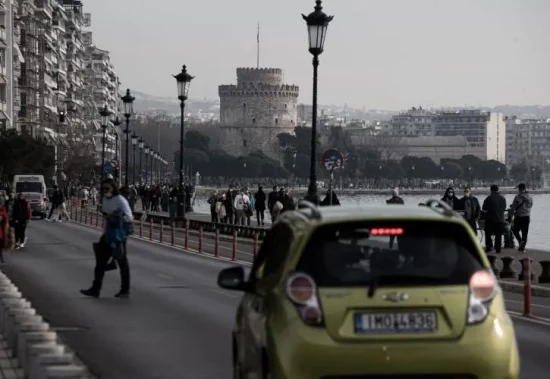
x=141 y=145
x=146 y=164
x=134 y=144
x=128 y=101
x=183 y=80
x=317 y=25
x=152 y=169
x=104 y=113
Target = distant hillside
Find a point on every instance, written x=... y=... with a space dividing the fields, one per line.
x=145 y=102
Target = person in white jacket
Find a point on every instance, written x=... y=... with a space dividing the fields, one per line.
x=241 y=204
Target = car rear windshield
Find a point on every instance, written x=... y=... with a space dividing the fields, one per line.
x=418 y=253
x=28 y=187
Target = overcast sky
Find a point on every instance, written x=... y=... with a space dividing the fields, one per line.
x=379 y=54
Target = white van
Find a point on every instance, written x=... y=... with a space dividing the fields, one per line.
x=29 y=184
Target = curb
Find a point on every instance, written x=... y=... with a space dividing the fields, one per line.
x=39 y=351
x=536 y=291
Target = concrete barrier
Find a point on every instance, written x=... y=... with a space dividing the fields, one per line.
x=38 y=350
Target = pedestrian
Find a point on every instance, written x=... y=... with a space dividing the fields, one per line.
x=450 y=198
x=241 y=204
x=494 y=208
x=330 y=199
x=56 y=199
x=21 y=216
x=4 y=232
x=395 y=198
x=259 y=205
x=213 y=200
x=472 y=210
x=272 y=199
x=111 y=250
x=521 y=208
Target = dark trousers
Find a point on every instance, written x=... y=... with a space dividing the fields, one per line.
x=51 y=211
x=493 y=229
x=521 y=225
x=473 y=225
x=103 y=257
x=20 y=227
x=260 y=216
x=214 y=215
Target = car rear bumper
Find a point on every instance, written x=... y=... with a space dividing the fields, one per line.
x=487 y=351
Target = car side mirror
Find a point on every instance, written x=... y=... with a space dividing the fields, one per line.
x=233 y=279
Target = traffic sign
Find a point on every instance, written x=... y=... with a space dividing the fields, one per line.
x=332 y=159
x=108 y=167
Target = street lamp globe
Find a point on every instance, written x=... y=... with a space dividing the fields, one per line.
x=134 y=139
x=317 y=25
x=105 y=113
x=117 y=122
x=146 y=149
x=128 y=101
x=141 y=143
x=184 y=81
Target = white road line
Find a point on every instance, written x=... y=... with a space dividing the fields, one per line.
x=532 y=304
x=536 y=320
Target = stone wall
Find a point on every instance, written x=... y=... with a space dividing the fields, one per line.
x=241 y=141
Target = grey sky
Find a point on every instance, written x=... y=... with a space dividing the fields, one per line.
x=388 y=54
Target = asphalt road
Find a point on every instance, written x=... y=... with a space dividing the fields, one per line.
x=177 y=324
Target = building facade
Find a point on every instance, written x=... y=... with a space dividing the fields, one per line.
x=255 y=110
x=527 y=139
x=50 y=66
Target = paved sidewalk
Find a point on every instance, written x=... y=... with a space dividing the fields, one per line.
x=9 y=367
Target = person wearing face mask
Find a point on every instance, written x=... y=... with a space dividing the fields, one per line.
x=472 y=210
x=450 y=198
x=111 y=249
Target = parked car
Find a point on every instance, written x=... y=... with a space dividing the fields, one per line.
x=39 y=204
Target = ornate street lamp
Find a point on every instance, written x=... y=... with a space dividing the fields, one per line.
x=317 y=25
x=117 y=123
x=128 y=101
x=141 y=144
x=146 y=164
x=184 y=81
x=134 y=145
x=104 y=113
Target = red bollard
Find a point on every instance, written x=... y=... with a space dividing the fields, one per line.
x=80 y=219
x=161 y=235
x=527 y=287
x=217 y=243
x=200 y=240
x=96 y=219
x=186 y=243
x=234 y=249
x=140 y=228
x=173 y=232
x=255 y=247
x=86 y=218
x=151 y=229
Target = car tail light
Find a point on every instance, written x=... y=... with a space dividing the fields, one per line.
x=483 y=288
x=302 y=291
x=386 y=231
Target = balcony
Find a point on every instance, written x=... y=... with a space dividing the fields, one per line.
x=3 y=70
x=101 y=91
x=48 y=80
x=102 y=76
x=3 y=33
x=44 y=8
x=61 y=68
x=59 y=25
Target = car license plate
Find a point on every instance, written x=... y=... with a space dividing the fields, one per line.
x=396 y=322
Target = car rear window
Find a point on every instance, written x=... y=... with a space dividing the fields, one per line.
x=419 y=253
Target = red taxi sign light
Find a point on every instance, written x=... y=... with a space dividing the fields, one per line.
x=386 y=231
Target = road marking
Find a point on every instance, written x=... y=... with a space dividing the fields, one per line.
x=532 y=304
x=224 y=293
x=536 y=320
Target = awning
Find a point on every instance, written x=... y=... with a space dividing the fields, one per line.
x=3 y=116
x=49 y=134
x=19 y=54
x=96 y=124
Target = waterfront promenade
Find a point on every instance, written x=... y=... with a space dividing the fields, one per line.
x=178 y=323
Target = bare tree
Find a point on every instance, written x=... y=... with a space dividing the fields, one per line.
x=386 y=146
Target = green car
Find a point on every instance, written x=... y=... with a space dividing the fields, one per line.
x=371 y=292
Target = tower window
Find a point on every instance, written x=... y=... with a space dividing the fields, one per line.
x=276 y=120
x=286 y=106
x=253 y=120
x=244 y=143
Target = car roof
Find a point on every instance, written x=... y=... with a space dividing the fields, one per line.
x=335 y=214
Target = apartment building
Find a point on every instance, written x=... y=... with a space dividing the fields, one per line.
x=484 y=132
x=527 y=139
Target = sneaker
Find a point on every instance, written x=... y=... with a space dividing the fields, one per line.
x=522 y=246
x=22 y=245
x=90 y=292
x=123 y=294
